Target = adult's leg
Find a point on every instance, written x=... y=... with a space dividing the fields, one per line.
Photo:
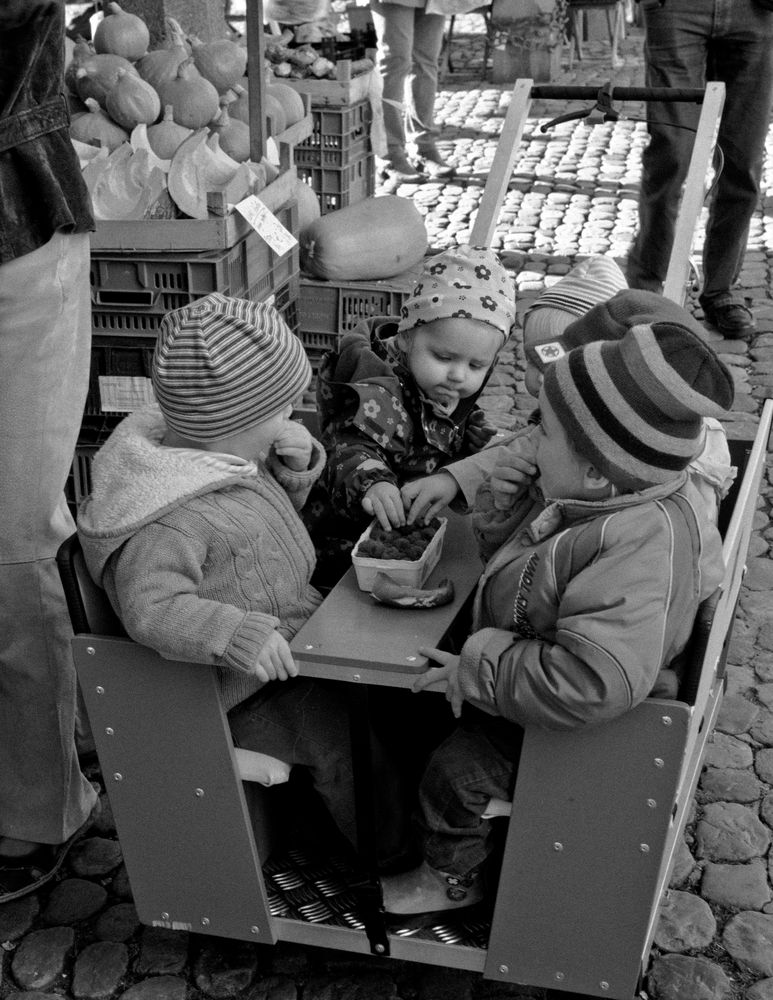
x=427 y=44
x=45 y=336
x=394 y=32
x=741 y=55
x=676 y=46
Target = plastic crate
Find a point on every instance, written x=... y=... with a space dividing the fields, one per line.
x=328 y=309
x=78 y=485
x=119 y=377
x=132 y=292
x=339 y=136
x=337 y=187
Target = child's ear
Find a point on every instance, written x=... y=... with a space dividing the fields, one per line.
x=595 y=480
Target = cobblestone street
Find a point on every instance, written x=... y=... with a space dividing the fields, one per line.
x=573 y=192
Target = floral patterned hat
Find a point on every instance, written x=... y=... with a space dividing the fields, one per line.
x=467 y=282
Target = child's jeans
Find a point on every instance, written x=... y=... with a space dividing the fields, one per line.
x=477 y=762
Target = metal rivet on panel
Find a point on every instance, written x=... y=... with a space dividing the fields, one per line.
x=356 y=677
x=411 y=659
x=117 y=776
x=164 y=916
x=109 y=731
x=199 y=793
x=379 y=949
x=604 y=984
x=205 y=921
x=666 y=720
x=659 y=762
x=504 y=969
x=559 y=976
x=254 y=929
x=651 y=803
x=644 y=848
x=92 y=652
x=558 y=846
x=100 y=689
x=308 y=646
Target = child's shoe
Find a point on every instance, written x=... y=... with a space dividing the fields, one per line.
x=425 y=896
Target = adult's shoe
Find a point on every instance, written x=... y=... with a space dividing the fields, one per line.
x=397 y=167
x=732 y=318
x=426 y=896
x=433 y=162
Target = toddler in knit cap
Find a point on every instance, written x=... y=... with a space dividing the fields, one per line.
x=194 y=531
x=397 y=400
x=591 y=585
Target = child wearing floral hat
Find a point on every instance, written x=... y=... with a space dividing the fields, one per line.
x=193 y=529
x=592 y=582
x=397 y=401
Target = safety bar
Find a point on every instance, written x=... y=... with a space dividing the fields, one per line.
x=671 y=95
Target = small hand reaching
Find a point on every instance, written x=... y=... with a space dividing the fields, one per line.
x=383 y=501
x=514 y=471
x=423 y=498
x=275 y=661
x=479 y=431
x=445 y=677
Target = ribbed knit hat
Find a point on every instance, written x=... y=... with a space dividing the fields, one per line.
x=635 y=406
x=223 y=365
x=593 y=280
x=467 y=282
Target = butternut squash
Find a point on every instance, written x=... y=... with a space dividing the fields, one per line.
x=374 y=238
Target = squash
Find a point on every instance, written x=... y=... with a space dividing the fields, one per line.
x=98 y=74
x=194 y=100
x=375 y=238
x=234 y=135
x=165 y=137
x=308 y=205
x=122 y=34
x=198 y=166
x=139 y=141
x=222 y=62
x=237 y=98
x=96 y=128
x=290 y=100
x=161 y=65
x=132 y=101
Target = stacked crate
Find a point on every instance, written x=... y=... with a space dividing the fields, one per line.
x=142 y=270
x=336 y=160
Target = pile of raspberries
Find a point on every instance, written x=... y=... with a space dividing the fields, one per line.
x=407 y=542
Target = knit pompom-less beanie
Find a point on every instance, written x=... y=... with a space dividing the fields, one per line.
x=590 y=282
x=223 y=365
x=635 y=406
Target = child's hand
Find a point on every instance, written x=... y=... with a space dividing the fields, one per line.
x=384 y=502
x=275 y=661
x=479 y=431
x=425 y=497
x=445 y=677
x=293 y=446
x=512 y=474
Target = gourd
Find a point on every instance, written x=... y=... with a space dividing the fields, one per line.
x=222 y=62
x=165 y=137
x=374 y=238
x=308 y=205
x=96 y=128
x=238 y=100
x=194 y=100
x=234 y=135
x=132 y=101
x=277 y=122
x=198 y=166
x=139 y=141
x=98 y=74
x=161 y=64
x=122 y=34
x=290 y=100
x=127 y=186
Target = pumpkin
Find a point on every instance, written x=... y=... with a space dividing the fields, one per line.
x=238 y=100
x=139 y=141
x=290 y=100
x=96 y=128
x=222 y=62
x=275 y=113
x=98 y=74
x=375 y=238
x=127 y=186
x=162 y=64
x=308 y=205
x=165 y=137
x=198 y=166
x=234 y=135
x=194 y=100
x=122 y=34
x=132 y=101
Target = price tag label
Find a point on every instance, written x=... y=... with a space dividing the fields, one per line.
x=266 y=224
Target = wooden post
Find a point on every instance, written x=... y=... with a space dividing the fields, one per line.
x=256 y=74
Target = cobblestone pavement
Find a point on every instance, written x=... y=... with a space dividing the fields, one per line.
x=574 y=192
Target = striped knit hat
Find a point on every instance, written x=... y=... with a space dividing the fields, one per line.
x=545 y=323
x=223 y=365
x=467 y=282
x=634 y=406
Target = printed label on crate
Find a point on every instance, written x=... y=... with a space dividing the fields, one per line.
x=266 y=224
x=124 y=393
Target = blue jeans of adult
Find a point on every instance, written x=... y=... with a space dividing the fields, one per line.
x=45 y=337
x=409 y=44
x=476 y=763
x=690 y=42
